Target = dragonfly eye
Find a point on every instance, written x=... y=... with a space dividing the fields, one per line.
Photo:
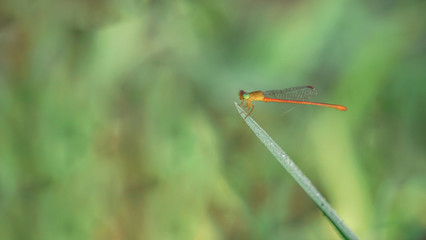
x=246 y=95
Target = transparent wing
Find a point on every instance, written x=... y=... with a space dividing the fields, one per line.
x=294 y=93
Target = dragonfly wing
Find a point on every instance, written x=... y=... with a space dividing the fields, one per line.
x=295 y=93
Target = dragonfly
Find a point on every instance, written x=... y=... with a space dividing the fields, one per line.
x=297 y=95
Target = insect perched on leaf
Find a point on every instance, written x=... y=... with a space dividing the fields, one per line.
x=297 y=95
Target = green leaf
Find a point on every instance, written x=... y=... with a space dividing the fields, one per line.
x=298 y=175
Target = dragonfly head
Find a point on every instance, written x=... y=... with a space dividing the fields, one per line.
x=243 y=95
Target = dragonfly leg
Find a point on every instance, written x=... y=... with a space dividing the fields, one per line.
x=244 y=106
x=250 y=107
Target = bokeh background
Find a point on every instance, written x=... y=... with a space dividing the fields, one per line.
x=117 y=118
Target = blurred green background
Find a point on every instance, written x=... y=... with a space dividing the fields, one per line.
x=117 y=118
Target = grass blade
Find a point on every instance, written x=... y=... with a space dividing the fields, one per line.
x=298 y=175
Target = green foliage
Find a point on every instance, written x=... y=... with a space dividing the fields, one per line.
x=116 y=118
